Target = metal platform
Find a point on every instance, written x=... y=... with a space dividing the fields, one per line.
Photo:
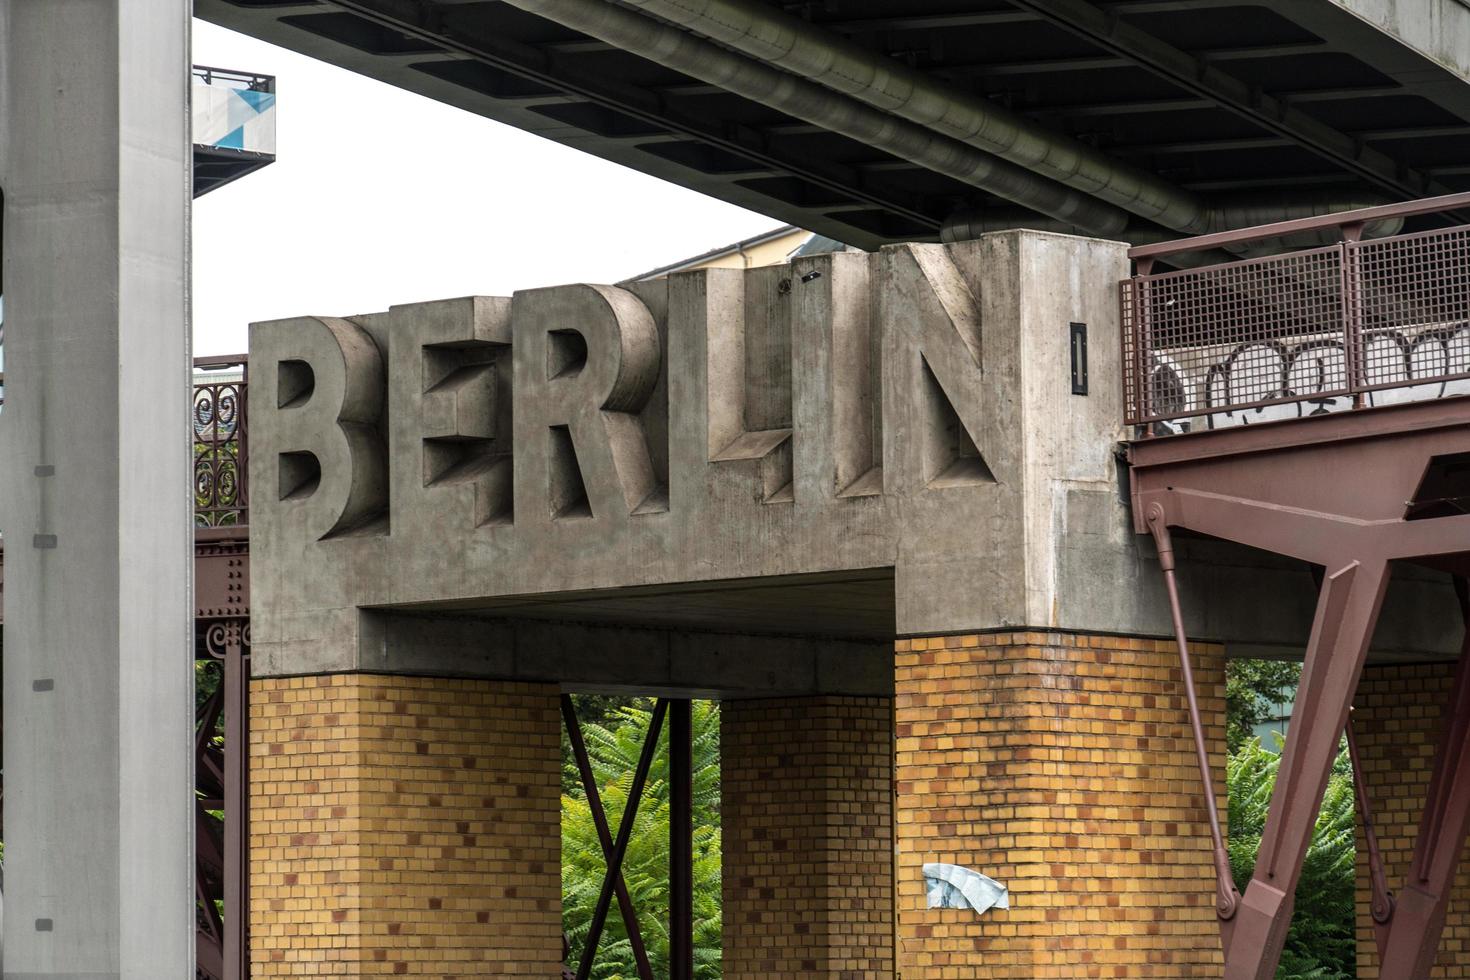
x=1312 y=405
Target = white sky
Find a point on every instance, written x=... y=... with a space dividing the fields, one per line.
x=379 y=196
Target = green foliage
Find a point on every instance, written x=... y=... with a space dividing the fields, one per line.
x=208 y=676
x=614 y=745
x=1253 y=688
x=593 y=711
x=1320 y=945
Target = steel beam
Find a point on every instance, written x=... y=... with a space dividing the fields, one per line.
x=236 y=689
x=1347 y=611
x=95 y=480
x=1197 y=75
x=604 y=836
x=1382 y=904
x=922 y=21
x=620 y=845
x=681 y=842
x=554 y=70
x=1227 y=898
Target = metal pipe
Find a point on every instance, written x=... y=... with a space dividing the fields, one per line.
x=620 y=846
x=969 y=223
x=681 y=842
x=604 y=836
x=1370 y=218
x=812 y=103
x=1382 y=907
x=1227 y=898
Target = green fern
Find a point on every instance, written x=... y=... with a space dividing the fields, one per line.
x=1321 y=944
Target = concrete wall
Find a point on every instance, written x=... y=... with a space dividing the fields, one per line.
x=567 y=450
x=95 y=500
x=1437 y=29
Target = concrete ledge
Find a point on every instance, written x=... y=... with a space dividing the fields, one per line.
x=610 y=659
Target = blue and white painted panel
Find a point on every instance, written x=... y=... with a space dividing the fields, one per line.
x=229 y=118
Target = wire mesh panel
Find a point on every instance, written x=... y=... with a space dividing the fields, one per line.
x=1409 y=297
x=220 y=498
x=1238 y=343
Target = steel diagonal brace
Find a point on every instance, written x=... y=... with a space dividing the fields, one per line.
x=1414 y=935
x=610 y=850
x=1347 y=611
x=1227 y=898
x=1383 y=901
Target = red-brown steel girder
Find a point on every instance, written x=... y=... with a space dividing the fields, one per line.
x=1350 y=493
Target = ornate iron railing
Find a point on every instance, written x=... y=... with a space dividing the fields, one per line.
x=1357 y=324
x=221 y=442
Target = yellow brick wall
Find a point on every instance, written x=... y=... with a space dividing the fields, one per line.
x=1063 y=767
x=404 y=826
x=1397 y=721
x=806 y=801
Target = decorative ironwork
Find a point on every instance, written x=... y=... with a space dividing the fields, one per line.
x=225 y=636
x=220 y=444
x=1362 y=323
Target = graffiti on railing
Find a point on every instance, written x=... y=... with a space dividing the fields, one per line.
x=1270 y=380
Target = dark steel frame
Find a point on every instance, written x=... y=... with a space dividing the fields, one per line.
x=253 y=81
x=681 y=839
x=221 y=766
x=222 y=616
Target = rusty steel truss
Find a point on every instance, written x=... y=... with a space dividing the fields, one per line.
x=1350 y=487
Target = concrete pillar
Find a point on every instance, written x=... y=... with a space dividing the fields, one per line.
x=1062 y=766
x=1397 y=716
x=95 y=477
x=806 y=797
x=404 y=826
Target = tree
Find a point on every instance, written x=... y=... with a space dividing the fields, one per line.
x=1253 y=689
x=1321 y=944
x=613 y=747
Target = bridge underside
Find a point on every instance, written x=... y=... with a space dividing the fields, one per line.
x=1260 y=107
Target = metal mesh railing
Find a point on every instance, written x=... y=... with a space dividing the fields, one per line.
x=1355 y=325
x=1412 y=304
